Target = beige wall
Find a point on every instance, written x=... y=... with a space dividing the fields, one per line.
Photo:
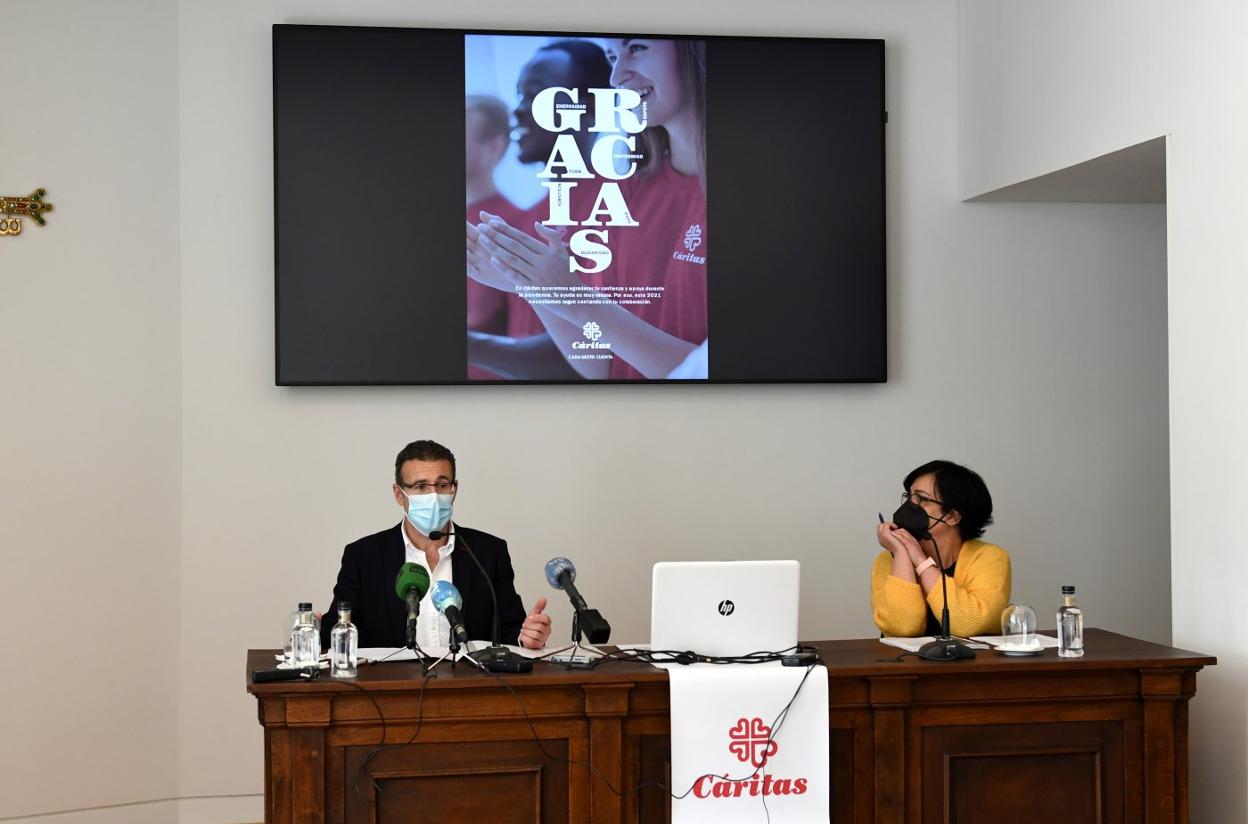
x=89 y=411
x=1045 y=85
x=1028 y=341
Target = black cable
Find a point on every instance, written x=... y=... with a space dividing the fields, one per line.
x=776 y=724
x=381 y=746
x=650 y=656
x=620 y=655
x=897 y=660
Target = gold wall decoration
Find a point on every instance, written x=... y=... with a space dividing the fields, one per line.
x=32 y=206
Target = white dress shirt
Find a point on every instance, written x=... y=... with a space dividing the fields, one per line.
x=432 y=628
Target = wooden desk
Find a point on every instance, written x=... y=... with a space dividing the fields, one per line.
x=1097 y=739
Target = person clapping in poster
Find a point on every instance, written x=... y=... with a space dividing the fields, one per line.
x=526 y=351
x=665 y=253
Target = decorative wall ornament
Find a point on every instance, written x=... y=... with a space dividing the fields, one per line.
x=31 y=206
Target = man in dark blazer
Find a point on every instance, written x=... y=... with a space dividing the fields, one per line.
x=425 y=487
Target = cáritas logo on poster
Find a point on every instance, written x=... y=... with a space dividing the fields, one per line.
x=751 y=742
x=693 y=239
x=592 y=333
x=559 y=110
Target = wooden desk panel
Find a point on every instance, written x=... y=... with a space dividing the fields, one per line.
x=1097 y=739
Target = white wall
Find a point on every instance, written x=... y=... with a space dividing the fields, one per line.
x=1026 y=340
x=1048 y=85
x=89 y=411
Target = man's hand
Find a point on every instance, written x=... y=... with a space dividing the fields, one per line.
x=536 y=627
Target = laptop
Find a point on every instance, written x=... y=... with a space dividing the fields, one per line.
x=724 y=607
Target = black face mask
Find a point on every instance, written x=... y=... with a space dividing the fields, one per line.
x=913 y=519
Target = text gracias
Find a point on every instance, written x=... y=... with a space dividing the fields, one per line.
x=554 y=115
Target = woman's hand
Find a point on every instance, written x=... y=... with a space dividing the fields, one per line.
x=895 y=539
x=525 y=260
x=882 y=536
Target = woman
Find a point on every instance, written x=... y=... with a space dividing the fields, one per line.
x=906 y=598
x=668 y=198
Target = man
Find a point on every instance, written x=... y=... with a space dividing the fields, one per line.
x=424 y=489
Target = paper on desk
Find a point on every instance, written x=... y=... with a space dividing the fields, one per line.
x=1046 y=642
x=376 y=654
x=913 y=644
x=282 y=663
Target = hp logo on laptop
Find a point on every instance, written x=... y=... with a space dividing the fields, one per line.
x=726 y=607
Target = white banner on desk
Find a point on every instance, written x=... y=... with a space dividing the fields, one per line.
x=722 y=717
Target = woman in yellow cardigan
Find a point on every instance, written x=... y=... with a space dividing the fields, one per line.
x=905 y=583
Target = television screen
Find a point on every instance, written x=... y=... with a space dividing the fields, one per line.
x=597 y=171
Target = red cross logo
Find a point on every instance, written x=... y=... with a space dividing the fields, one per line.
x=749 y=740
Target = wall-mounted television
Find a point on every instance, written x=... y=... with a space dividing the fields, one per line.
x=597 y=172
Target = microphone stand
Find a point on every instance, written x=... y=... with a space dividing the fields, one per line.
x=449 y=654
x=413 y=618
x=495 y=657
x=568 y=656
x=453 y=650
x=945 y=647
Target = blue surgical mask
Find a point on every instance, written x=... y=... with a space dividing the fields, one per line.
x=429 y=512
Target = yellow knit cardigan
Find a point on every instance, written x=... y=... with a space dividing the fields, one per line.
x=978 y=591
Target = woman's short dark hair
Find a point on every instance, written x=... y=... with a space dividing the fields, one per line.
x=961 y=489
x=422 y=451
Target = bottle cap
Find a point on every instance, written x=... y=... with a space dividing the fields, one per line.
x=344 y=606
x=305 y=606
x=1068 y=590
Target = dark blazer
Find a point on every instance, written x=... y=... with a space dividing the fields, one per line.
x=366 y=581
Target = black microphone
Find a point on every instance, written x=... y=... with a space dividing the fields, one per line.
x=914 y=519
x=561 y=574
x=496 y=629
x=944 y=648
x=495 y=657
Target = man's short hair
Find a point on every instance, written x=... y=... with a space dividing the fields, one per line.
x=593 y=70
x=422 y=451
x=495 y=118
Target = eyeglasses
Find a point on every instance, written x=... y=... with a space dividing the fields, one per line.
x=919 y=498
x=424 y=487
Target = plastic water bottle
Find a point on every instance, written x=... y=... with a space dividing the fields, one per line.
x=344 y=643
x=1069 y=626
x=305 y=640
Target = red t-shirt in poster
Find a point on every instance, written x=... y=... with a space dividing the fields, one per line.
x=489 y=310
x=667 y=251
